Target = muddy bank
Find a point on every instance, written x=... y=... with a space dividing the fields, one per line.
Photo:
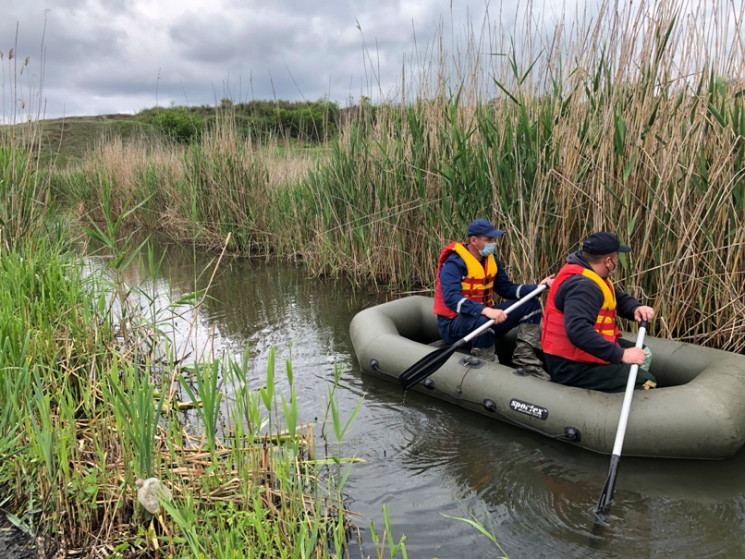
x=14 y=544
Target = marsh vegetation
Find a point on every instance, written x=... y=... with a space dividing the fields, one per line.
x=632 y=121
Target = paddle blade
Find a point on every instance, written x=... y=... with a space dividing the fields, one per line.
x=427 y=365
x=606 y=497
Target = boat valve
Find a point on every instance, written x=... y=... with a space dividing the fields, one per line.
x=572 y=434
x=489 y=405
x=429 y=384
x=374 y=364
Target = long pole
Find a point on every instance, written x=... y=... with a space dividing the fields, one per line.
x=606 y=497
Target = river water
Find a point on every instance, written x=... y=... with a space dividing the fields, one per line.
x=428 y=461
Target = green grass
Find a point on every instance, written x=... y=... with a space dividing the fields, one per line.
x=64 y=142
x=102 y=403
x=92 y=398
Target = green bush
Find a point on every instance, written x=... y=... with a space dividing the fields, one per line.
x=180 y=124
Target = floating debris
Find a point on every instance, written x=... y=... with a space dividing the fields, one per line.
x=150 y=492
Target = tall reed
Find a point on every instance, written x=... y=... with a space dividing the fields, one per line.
x=25 y=197
x=622 y=125
x=631 y=120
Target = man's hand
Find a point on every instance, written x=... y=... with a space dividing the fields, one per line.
x=497 y=315
x=633 y=356
x=643 y=313
x=548 y=280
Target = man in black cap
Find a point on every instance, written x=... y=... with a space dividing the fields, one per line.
x=468 y=274
x=581 y=340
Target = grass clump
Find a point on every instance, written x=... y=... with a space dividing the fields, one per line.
x=106 y=407
x=96 y=409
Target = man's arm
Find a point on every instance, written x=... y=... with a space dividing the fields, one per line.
x=505 y=288
x=626 y=304
x=632 y=309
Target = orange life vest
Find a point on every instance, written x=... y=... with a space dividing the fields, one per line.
x=476 y=286
x=554 y=338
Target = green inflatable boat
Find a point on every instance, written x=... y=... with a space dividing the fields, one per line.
x=697 y=411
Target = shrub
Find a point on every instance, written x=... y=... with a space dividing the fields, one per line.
x=180 y=124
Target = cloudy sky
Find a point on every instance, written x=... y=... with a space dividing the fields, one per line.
x=122 y=56
x=89 y=57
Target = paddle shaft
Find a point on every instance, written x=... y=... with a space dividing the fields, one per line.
x=623 y=421
x=434 y=360
x=606 y=496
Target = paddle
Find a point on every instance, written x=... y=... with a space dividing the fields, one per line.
x=433 y=361
x=606 y=497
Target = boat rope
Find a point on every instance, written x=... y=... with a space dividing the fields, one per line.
x=570 y=433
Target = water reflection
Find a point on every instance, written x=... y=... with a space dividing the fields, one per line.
x=425 y=458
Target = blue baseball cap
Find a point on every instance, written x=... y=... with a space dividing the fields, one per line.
x=603 y=243
x=482 y=226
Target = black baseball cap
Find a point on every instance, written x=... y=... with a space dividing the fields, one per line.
x=603 y=243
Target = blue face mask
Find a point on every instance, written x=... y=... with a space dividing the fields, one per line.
x=488 y=249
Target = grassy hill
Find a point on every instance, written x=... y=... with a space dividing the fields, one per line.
x=65 y=141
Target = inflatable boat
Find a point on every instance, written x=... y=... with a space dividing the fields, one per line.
x=697 y=411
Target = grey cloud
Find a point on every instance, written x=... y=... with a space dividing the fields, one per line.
x=136 y=53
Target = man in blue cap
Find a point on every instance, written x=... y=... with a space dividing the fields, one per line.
x=581 y=340
x=468 y=274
